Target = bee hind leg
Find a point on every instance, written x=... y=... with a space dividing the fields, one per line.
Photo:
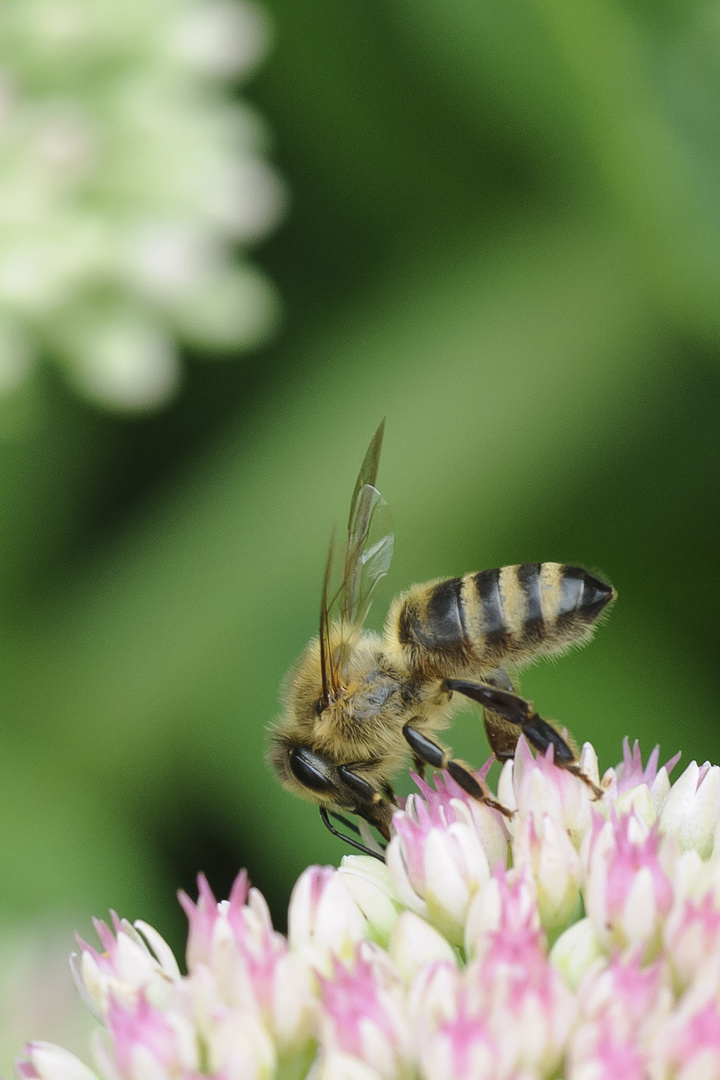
x=432 y=754
x=513 y=709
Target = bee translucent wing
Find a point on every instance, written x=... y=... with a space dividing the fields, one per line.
x=368 y=470
x=368 y=555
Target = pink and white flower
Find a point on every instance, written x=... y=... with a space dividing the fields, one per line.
x=628 y=893
x=44 y=1061
x=323 y=919
x=438 y=858
x=148 y=1041
x=134 y=960
x=534 y=785
x=365 y=1014
x=543 y=847
x=691 y=937
x=439 y=965
x=691 y=811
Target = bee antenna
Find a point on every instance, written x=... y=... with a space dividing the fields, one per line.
x=325 y=657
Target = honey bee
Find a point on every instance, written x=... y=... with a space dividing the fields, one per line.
x=358 y=705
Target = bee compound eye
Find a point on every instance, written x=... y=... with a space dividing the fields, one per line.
x=310 y=769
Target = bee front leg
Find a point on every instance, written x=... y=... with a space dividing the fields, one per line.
x=371 y=804
x=433 y=754
x=512 y=709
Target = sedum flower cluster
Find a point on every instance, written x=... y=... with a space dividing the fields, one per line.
x=579 y=939
x=128 y=178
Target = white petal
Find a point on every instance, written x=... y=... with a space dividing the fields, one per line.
x=301 y=913
x=660 y=788
x=415 y=944
x=339 y=923
x=639 y=910
x=54 y=1063
x=575 y=950
x=294 y=1002
x=692 y=813
x=558 y=875
x=257 y=906
x=506 y=787
x=145 y=1066
x=160 y=947
x=368 y=882
x=447 y=888
x=378 y=1049
x=589 y=763
x=400 y=880
x=483 y=916
x=639 y=801
x=91 y=1001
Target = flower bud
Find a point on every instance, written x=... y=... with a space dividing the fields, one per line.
x=628 y=894
x=691 y=1039
x=437 y=863
x=553 y=863
x=150 y=1041
x=691 y=936
x=506 y=903
x=575 y=951
x=45 y=1061
x=691 y=811
x=368 y=882
x=540 y=787
x=125 y=968
x=323 y=918
x=365 y=1013
x=415 y=944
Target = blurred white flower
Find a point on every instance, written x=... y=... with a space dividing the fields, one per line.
x=128 y=178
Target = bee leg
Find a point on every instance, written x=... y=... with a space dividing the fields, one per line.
x=501 y=734
x=433 y=754
x=325 y=815
x=513 y=709
x=370 y=803
x=345 y=821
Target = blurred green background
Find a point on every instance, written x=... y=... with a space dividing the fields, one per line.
x=504 y=236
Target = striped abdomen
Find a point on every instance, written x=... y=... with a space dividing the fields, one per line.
x=496 y=617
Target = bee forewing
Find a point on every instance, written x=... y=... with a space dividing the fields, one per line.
x=368 y=556
x=368 y=469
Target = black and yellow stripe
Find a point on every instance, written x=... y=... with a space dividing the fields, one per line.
x=509 y=614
